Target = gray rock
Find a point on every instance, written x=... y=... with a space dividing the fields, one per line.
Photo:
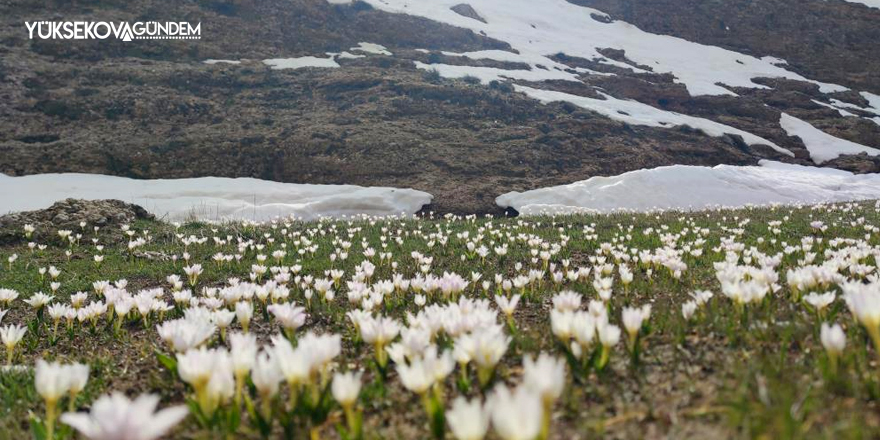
x=68 y=214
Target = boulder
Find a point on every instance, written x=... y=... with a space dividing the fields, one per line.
x=69 y=214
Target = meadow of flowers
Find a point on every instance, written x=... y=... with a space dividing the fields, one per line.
x=758 y=322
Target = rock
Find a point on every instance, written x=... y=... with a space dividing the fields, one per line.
x=68 y=214
x=601 y=18
x=858 y=163
x=466 y=10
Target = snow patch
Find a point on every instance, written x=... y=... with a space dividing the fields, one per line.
x=636 y=113
x=530 y=59
x=221 y=62
x=539 y=29
x=372 y=48
x=686 y=187
x=870 y=109
x=489 y=74
x=842 y=112
x=822 y=146
x=869 y=3
x=873 y=100
x=500 y=55
x=298 y=63
x=775 y=61
x=212 y=198
x=344 y=55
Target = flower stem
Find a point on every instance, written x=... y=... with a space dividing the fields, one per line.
x=50 y=419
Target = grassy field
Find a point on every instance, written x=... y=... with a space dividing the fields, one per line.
x=748 y=363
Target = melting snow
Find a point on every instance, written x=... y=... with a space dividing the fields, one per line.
x=870 y=109
x=822 y=146
x=634 y=112
x=775 y=61
x=842 y=112
x=873 y=101
x=212 y=198
x=537 y=29
x=222 y=62
x=871 y=3
x=503 y=55
x=345 y=55
x=694 y=187
x=873 y=107
x=552 y=69
x=488 y=74
x=297 y=63
x=377 y=49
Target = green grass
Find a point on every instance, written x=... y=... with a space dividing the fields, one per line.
x=721 y=375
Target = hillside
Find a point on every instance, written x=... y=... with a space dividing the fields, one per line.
x=448 y=104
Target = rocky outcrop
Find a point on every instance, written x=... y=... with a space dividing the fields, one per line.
x=468 y=11
x=859 y=163
x=69 y=214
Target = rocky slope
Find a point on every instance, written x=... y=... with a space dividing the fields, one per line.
x=152 y=109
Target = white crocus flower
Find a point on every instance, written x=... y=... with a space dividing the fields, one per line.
x=346 y=387
x=516 y=415
x=11 y=335
x=244 y=311
x=467 y=420
x=833 y=338
x=115 y=417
